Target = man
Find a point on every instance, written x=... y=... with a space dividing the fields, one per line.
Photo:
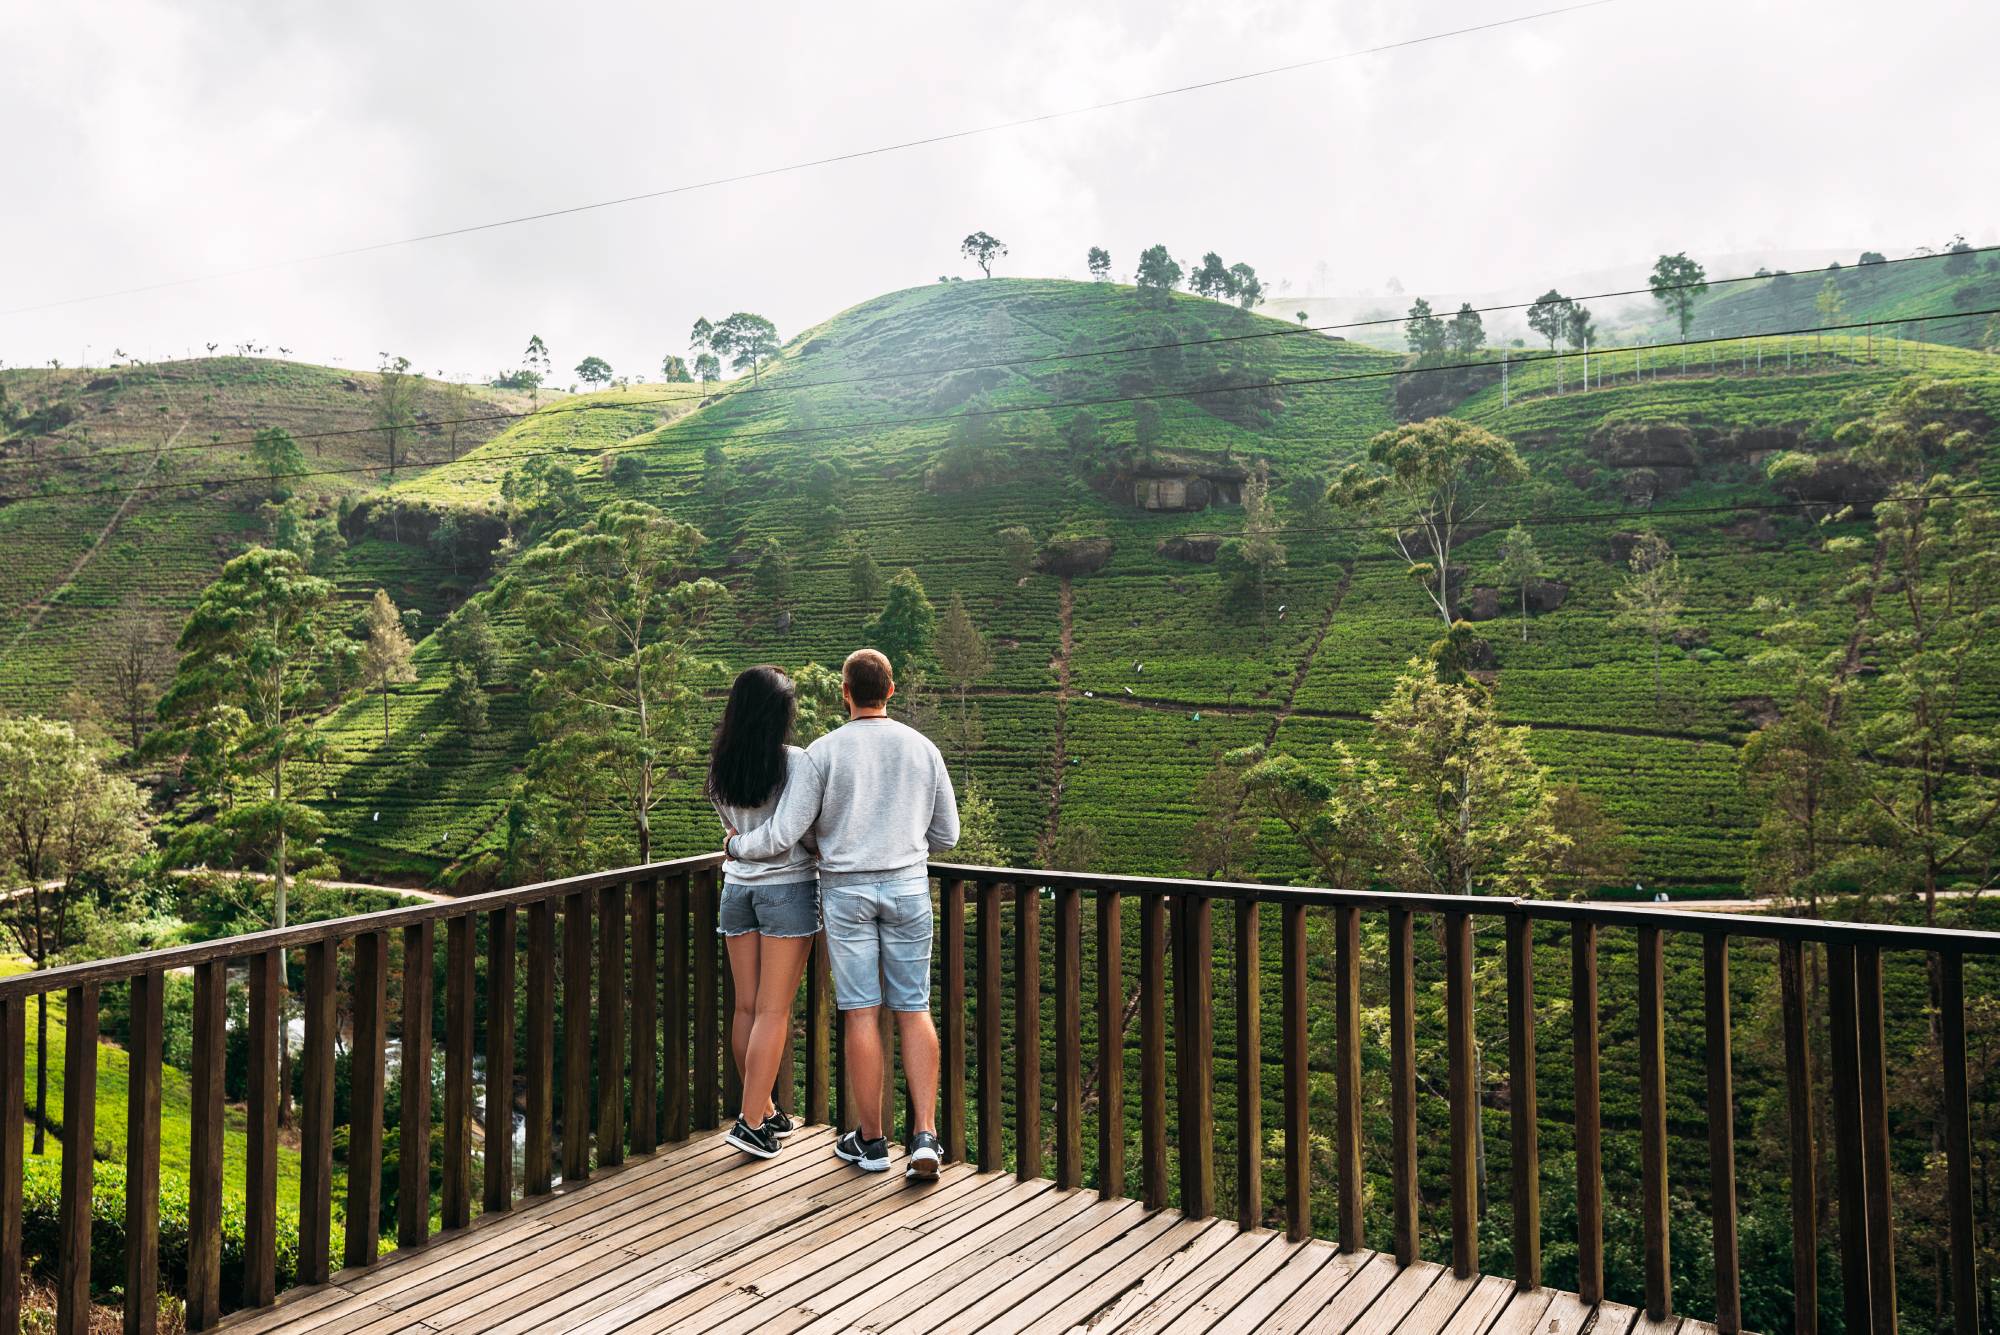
x=876 y=798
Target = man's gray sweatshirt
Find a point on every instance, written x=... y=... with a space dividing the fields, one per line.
x=876 y=798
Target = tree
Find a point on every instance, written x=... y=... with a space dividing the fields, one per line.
x=707 y=369
x=260 y=664
x=1245 y=286
x=1676 y=281
x=466 y=639
x=616 y=612
x=1210 y=278
x=536 y=358
x=464 y=702
x=139 y=662
x=1467 y=332
x=1157 y=272
x=1577 y=327
x=1830 y=304
x=594 y=371
x=963 y=657
x=539 y=491
x=1596 y=853
x=982 y=249
x=1652 y=597
x=1521 y=564
x=674 y=370
x=1219 y=842
x=1305 y=493
x=902 y=630
x=62 y=819
x=864 y=576
x=278 y=457
x=385 y=657
x=980 y=842
x=700 y=335
x=773 y=576
x=1549 y=316
x=1257 y=554
x=1148 y=425
x=457 y=409
x=397 y=390
x=1083 y=437
x=1425 y=481
x=1017 y=547
x=1099 y=264
x=747 y=340
x=1424 y=332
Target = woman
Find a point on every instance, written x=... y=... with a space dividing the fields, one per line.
x=770 y=910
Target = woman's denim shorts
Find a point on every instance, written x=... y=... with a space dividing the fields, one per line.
x=788 y=909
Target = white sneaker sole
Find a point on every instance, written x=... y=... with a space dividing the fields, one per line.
x=922 y=1169
x=749 y=1147
x=864 y=1164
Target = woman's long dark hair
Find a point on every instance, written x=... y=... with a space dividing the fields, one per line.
x=747 y=763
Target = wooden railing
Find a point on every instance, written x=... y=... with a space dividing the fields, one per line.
x=642 y=999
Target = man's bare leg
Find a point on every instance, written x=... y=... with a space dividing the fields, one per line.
x=863 y=1056
x=920 y=1067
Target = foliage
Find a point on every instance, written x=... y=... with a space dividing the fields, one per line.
x=1256 y=555
x=539 y=492
x=1550 y=316
x=963 y=659
x=979 y=840
x=278 y=457
x=1424 y=332
x=747 y=340
x=1220 y=840
x=397 y=390
x=902 y=630
x=674 y=370
x=594 y=371
x=982 y=250
x=1099 y=264
x=1652 y=597
x=1521 y=564
x=1158 y=272
x=1017 y=547
x=386 y=652
x=1467 y=332
x=466 y=639
x=864 y=575
x=1677 y=281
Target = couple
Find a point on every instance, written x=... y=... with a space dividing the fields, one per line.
x=845 y=828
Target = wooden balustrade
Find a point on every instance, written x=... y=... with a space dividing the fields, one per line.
x=620 y=1047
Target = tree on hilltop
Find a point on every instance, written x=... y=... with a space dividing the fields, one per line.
x=1830 y=304
x=397 y=391
x=1210 y=278
x=385 y=657
x=594 y=371
x=1424 y=332
x=1676 y=281
x=674 y=370
x=1549 y=316
x=536 y=358
x=747 y=340
x=1099 y=264
x=982 y=249
x=1577 y=327
x=1158 y=273
x=1244 y=285
x=1467 y=332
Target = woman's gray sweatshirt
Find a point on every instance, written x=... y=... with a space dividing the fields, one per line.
x=789 y=864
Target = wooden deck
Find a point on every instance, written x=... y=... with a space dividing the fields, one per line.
x=698 y=1238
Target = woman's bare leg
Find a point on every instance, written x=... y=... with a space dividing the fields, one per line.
x=782 y=966
x=745 y=952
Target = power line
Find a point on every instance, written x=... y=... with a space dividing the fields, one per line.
x=740 y=437
x=854 y=155
x=1528 y=356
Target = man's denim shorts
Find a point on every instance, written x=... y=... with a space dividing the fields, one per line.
x=879 y=937
x=788 y=909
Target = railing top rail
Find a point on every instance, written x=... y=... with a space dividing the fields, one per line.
x=251 y=943
x=1775 y=928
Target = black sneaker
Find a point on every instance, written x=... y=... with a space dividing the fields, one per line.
x=870 y=1156
x=756 y=1140
x=779 y=1123
x=926 y=1157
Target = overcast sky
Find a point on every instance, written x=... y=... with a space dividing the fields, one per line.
x=158 y=141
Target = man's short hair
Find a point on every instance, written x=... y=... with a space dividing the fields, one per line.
x=868 y=678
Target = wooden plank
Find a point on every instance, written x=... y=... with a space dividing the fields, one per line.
x=455 y=1198
x=1403 y=1083
x=1525 y=1170
x=1589 y=1125
x=1153 y=1050
x=1194 y=990
x=205 y=1124
x=1652 y=1040
x=538 y=1120
x=1348 y=1284
x=260 y=1160
x=1523 y=1313
x=610 y=1066
x=498 y=1124
x=1110 y=1046
x=1232 y=1289
x=988 y=1015
x=1298 y=1088
x=1069 y=1038
x=79 y=1155
x=675 y=979
x=1182 y=1282
x=576 y=1039
x=1464 y=1097
x=1027 y=1032
x=413 y=1165
x=1567 y=1315
x=707 y=1027
x=142 y=1156
x=1957 y=1144
x=645 y=1017
x=1111 y=1310
x=316 y=1114
x=819 y=1037
x=1850 y=1169
x=951 y=900
x=1875 y=1133
x=1440 y=1303
x=13 y=1103
x=1721 y=1134
x=1008 y=1285
x=364 y=1140
x=1249 y=1069
x=1804 y=1186
x=1347 y=1075
x=1065 y=1297
x=1304 y=1265
x=1475 y=1316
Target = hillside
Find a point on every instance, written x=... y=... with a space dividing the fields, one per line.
x=830 y=448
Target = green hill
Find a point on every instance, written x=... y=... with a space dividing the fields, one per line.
x=864 y=433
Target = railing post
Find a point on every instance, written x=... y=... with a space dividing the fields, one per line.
x=316 y=1115
x=645 y=1129
x=364 y=1140
x=1463 y=1096
x=1721 y=1134
x=1298 y=1107
x=1027 y=1032
x=1347 y=1072
x=538 y=1147
x=1653 y=1122
x=1957 y=1144
x=1110 y=1046
x=1069 y=1038
x=1844 y=1026
x=576 y=1038
x=819 y=1037
x=1799 y=1120
x=611 y=1026
x=413 y=1166
x=674 y=978
x=1194 y=1052
x=498 y=1194
x=142 y=1157
x=455 y=1201
x=79 y=1152
x=707 y=1086
x=1526 y=1169
x=1875 y=1138
x=1403 y=1081
x=991 y=1142
x=951 y=895
x=13 y=1103
x=205 y=1124
x=1249 y=1069
x=1153 y=1049
x=1589 y=1115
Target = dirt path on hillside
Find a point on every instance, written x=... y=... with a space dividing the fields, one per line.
x=1059 y=760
